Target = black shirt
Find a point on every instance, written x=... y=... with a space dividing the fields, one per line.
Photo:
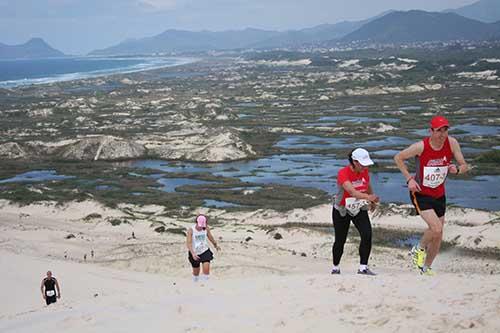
x=49 y=283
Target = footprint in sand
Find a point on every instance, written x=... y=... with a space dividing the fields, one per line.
x=349 y=308
x=308 y=312
x=380 y=322
x=468 y=324
x=75 y=321
x=311 y=281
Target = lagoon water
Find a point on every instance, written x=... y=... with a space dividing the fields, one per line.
x=303 y=170
x=319 y=171
x=37 y=71
x=35 y=176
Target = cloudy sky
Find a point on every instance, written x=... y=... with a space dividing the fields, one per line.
x=79 y=26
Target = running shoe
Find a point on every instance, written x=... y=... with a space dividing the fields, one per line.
x=418 y=257
x=335 y=271
x=366 y=271
x=428 y=272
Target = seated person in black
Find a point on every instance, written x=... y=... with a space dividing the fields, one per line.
x=48 y=288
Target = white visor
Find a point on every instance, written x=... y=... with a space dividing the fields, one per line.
x=361 y=155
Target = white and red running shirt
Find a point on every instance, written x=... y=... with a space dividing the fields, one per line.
x=432 y=168
x=360 y=181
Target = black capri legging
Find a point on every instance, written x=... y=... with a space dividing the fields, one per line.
x=341 y=226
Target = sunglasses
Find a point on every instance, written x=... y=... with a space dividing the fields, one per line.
x=442 y=129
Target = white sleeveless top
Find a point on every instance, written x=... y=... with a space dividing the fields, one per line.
x=199 y=239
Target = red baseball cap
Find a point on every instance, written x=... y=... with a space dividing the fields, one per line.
x=439 y=121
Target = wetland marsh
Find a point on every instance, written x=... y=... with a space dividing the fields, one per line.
x=244 y=133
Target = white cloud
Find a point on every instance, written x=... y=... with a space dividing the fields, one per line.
x=159 y=4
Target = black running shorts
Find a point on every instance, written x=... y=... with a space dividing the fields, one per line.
x=50 y=299
x=425 y=202
x=206 y=256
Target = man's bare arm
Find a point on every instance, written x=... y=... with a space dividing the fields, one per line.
x=58 y=289
x=463 y=167
x=410 y=152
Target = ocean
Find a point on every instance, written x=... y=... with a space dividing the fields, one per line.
x=15 y=73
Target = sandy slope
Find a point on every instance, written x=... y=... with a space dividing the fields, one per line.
x=258 y=285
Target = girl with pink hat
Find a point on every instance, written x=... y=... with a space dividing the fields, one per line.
x=197 y=244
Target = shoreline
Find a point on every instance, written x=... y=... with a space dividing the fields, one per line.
x=93 y=74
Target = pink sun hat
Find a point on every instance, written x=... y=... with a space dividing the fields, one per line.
x=201 y=221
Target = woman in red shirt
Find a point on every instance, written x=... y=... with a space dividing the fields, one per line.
x=354 y=198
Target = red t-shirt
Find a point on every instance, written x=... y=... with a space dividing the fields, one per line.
x=360 y=181
x=432 y=169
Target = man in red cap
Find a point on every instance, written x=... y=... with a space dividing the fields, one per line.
x=433 y=157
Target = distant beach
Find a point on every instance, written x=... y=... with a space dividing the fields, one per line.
x=22 y=72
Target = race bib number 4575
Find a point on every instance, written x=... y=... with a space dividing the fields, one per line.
x=354 y=205
x=434 y=176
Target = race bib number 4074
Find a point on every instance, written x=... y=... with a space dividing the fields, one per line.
x=434 y=176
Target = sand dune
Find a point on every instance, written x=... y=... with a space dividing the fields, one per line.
x=258 y=283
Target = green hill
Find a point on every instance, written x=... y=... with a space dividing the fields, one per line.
x=421 y=26
x=34 y=48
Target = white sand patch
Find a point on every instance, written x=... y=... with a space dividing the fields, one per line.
x=349 y=63
x=128 y=81
x=411 y=61
x=328 y=129
x=382 y=128
x=414 y=88
x=367 y=91
x=301 y=62
x=284 y=130
x=384 y=90
x=349 y=76
x=435 y=86
x=488 y=60
x=492 y=60
x=42 y=113
x=428 y=100
x=198 y=143
x=394 y=67
x=488 y=75
x=267 y=96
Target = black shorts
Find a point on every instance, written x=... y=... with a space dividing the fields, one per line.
x=50 y=299
x=425 y=202
x=204 y=257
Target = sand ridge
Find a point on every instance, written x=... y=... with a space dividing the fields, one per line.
x=259 y=283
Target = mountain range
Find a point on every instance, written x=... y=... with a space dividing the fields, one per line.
x=421 y=26
x=478 y=21
x=314 y=35
x=485 y=10
x=34 y=48
x=189 y=41
x=390 y=27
